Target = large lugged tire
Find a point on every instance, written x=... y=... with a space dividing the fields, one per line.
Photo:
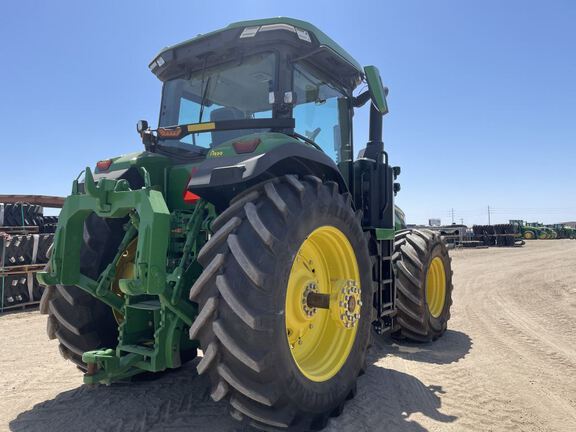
x=79 y=321
x=529 y=235
x=423 y=285
x=244 y=307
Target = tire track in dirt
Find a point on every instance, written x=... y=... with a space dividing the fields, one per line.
x=534 y=360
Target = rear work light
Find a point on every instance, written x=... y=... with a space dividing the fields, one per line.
x=103 y=165
x=247 y=146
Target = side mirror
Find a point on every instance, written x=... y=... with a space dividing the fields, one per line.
x=377 y=91
x=142 y=126
x=148 y=138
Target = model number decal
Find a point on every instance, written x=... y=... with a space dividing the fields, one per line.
x=216 y=153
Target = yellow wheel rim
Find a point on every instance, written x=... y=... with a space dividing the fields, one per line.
x=436 y=287
x=320 y=338
x=528 y=235
x=124 y=270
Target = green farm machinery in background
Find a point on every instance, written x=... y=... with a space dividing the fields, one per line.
x=530 y=231
x=536 y=230
x=564 y=231
x=249 y=228
x=546 y=233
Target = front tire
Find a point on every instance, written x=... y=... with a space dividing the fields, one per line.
x=423 y=285
x=529 y=235
x=244 y=310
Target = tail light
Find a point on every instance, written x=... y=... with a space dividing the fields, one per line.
x=190 y=197
x=103 y=165
x=247 y=146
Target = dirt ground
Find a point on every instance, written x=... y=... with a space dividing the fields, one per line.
x=507 y=362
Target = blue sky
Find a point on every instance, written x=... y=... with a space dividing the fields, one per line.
x=482 y=94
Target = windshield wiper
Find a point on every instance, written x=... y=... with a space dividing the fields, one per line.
x=308 y=140
x=203 y=100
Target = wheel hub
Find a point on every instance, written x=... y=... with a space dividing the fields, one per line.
x=309 y=307
x=323 y=303
x=347 y=304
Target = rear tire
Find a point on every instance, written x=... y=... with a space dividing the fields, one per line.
x=414 y=252
x=78 y=320
x=241 y=294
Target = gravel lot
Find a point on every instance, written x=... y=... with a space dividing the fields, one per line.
x=507 y=362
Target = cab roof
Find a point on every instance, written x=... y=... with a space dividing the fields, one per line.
x=305 y=31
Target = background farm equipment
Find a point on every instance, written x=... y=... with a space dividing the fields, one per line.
x=564 y=231
x=501 y=235
x=531 y=231
x=26 y=236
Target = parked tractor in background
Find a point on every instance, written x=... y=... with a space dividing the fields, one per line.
x=546 y=233
x=564 y=231
x=247 y=229
x=530 y=231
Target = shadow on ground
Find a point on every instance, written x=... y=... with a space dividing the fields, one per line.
x=180 y=401
x=451 y=347
x=386 y=399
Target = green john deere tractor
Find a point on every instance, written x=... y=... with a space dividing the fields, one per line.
x=247 y=229
x=564 y=231
x=531 y=231
x=543 y=232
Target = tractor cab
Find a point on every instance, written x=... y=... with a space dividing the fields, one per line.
x=256 y=86
x=254 y=75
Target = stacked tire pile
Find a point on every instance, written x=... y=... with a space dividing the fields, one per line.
x=49 y=224
x=24 y=215
x=20 y=289
x=24 y=249
x=25 y=238
x=505 y=235
x=485 y=234
x=500 y=235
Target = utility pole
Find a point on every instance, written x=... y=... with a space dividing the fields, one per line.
x=452 y=214
x=489 y=215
